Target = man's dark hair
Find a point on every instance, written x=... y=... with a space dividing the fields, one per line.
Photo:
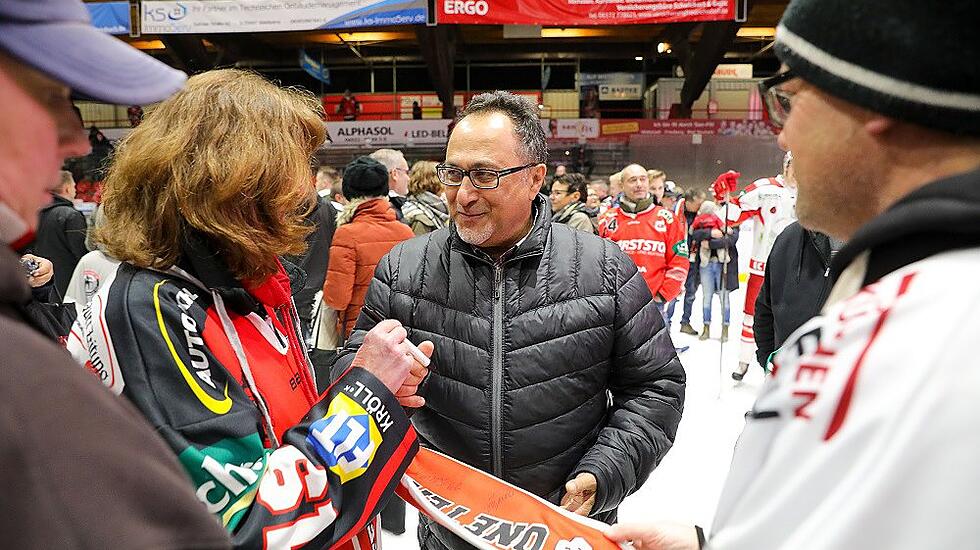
x=575 y=182
x=694 y=194
x=524 y=115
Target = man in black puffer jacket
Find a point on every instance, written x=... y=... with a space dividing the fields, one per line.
x=796 y=285
x=552 y=367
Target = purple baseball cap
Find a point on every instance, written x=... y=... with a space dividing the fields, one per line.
x=57 y=38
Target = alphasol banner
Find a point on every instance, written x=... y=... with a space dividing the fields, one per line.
x=225 y=16
x=582 y=12
x=492 y=514
x=389 y=132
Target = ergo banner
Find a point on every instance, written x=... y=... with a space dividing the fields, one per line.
x=582 y=12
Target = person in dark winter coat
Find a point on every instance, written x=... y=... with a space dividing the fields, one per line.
x=552 y=368
x=61 y=234
x=314 y=261
x=796 y=284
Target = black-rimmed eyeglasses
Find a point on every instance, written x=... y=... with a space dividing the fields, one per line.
x=481 y=178
x=777 y=100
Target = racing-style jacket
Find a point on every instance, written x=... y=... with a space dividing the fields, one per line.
x=219 y=372
x=772 y=207
x=654 y=242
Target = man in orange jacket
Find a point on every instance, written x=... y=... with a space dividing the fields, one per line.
x=647 y=233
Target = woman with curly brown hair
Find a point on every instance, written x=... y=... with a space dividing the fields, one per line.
x=198 y=330
x=424 y=210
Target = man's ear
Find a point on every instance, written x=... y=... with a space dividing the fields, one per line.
x=538 y=172
x=877 y=126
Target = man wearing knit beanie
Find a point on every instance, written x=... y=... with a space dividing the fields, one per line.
x=867 y=435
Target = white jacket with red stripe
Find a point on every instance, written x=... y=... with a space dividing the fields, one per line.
x=772 y=206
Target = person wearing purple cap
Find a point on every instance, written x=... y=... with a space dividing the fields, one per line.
x=79 y=467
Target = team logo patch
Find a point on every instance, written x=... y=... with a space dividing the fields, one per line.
x=347 y=438
x=660 y=225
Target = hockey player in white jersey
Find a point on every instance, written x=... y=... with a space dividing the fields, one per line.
x=867 y=433
x=770 y=204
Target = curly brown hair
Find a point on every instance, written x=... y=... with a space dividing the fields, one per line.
x=423 y=177
x=228 y=156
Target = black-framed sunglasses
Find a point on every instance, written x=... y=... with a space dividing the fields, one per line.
x=480 y=178
x=777 y=100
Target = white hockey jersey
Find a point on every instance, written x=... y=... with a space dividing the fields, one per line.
x=772 y=206
x=868 y=433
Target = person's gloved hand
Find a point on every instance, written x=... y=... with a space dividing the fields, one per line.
x=724 y=185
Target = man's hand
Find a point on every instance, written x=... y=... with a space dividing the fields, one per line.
x=716 y=234
x=44 y=272
x=663 y=535
x=407 y=393
x=580 y=494
x=385 y=354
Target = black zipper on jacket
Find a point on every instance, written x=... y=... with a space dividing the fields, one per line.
x=497 y=371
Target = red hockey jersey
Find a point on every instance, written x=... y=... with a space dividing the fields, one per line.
x=654 y=242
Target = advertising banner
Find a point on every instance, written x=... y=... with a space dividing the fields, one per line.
x=110 y=17
x=582 y=12
x=383 y=133
x=571 y=128
x=680 y=127
x=228 y=16
x=313 y=67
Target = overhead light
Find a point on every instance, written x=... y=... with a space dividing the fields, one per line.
x=663 y=47
x=756 y=32
x=540 y=107
x=148 y=44
x=575 y=33
x=638 y=58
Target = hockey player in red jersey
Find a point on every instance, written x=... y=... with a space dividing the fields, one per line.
x=647 y=234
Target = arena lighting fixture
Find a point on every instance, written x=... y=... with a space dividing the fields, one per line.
x=575 y=33
x=332 y=38
x=148 y=44
x=663 y=47
x=638 y=58
x=756 y=32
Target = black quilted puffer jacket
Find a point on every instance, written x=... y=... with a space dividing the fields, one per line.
x=552 y=361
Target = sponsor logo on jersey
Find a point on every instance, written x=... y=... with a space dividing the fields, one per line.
x=225 y=475
x=195 y=347
x=666 y=215
x=643 y=246
x=680 y=249
x=577 y=543
x=660 y=225
x=347 y=438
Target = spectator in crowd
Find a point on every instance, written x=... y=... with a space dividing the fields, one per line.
x=560 y=171
x=336 y=190
x=67 y=447
x=601 y=189
x=693 y=198
x=535 y=324
x=197 y=328
x=568 y=195
x=716 y=255
x=322 y=221
x=326 y=178
x=658 y=184
x=394 y=161
x=670 y=200
x=366 y=231
x=796 y=285
x=425 y=211
x=592 y=202
x=866 y=436
x=135 y=115
x=648 y=235
x=416 y=111
x=348 y=107
x=61 y=232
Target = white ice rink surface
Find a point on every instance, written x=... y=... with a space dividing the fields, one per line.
x=686 y=485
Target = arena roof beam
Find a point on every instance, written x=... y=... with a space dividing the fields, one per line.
x=188 y=52
x=717 y=37
x=438 y=47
